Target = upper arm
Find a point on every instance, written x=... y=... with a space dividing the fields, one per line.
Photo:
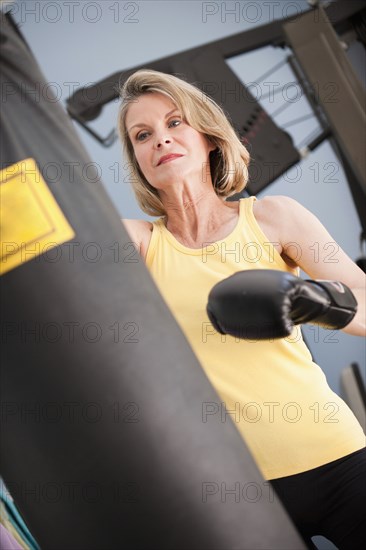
x=306 y=241
x=140 y=233
x=133 y=231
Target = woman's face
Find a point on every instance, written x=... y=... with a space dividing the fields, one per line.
x=167 y=149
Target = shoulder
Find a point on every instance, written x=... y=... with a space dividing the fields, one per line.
x=138 y=227
x=289 y=224
x=276 y=203
x=283 y=212
x=140 y=233
x=272 y=213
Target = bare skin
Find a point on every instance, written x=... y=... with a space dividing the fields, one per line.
x=196 y=215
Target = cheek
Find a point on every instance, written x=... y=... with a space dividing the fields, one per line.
x=141 y=159
x=139 y=165
x=199 y=142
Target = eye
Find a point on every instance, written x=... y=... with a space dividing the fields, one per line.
x=175 y=122
x=141 y=136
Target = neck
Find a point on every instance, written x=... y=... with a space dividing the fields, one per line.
x=193 y=217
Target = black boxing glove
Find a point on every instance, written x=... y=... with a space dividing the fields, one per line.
x=264 y=303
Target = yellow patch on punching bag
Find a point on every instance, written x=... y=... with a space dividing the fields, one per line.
x=31 y=221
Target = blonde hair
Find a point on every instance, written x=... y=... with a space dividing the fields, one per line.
x=228 y=163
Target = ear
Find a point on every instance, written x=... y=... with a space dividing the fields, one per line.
x=211 y=145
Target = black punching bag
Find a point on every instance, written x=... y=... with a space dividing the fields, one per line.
x=103 y=441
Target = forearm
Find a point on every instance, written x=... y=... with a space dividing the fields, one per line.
x=357 y=327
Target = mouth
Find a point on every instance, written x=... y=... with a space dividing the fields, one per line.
x=168 y=158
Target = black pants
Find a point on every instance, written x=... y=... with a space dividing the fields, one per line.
x=329 y=501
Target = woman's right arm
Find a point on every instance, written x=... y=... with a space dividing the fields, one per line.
x=140 y=233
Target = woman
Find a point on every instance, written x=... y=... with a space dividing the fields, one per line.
x=186 y=159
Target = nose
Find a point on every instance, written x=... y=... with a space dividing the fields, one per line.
x=160 y=141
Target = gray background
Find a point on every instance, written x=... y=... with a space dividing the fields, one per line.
x=81 y=42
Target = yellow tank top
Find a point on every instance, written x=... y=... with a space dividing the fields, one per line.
x=276 y=395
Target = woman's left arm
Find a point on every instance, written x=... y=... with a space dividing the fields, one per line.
x=308 y=244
